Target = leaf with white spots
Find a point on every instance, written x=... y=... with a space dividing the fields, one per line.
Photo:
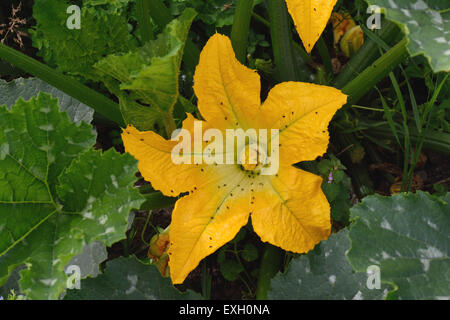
x=28 y=88
x=324 y=274
x=90 y=259
x=426 y=23
x=408 y=237
x=56 y=194
x=129 y=279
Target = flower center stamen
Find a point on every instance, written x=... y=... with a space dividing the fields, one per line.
x=251 y=157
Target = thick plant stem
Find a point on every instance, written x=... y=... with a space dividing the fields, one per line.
x=433 y=140
x=143 y=17
x=365 y=81
x=241 y=26
x=75 y=89
x=303 y=54
x=270 y=265
x=287 y=67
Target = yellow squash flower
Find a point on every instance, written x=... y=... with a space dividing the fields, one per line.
x=288 y=209
x=310 y=18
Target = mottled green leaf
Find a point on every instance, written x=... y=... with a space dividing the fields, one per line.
x=408 y=237
x=57 y=194
x=75 y=51
x=426 y=23
x=324 y=274
x=113 y=6
x=128 y=279
x=89 y=260
x=28 y=88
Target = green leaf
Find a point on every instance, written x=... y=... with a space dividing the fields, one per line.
x=407 y=236
x=11 y=284
x=426 y=24
x=249 y=253
x=28 y=88
x=331 y=190
x=156 y=200
x=128 y=279
x=230 y=269
x=149 y=73
x=218 y=13
x=56 y=194
x=324 y=276
x=90 y=259
x=75 y=51
x=113 y=6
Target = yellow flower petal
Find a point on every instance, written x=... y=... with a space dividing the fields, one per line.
x=228 y=93
x=291 y=211
x=155 y=161
x=302 y=112
x=310 y=18
x=207 y=219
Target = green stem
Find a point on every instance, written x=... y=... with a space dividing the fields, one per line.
x=325 y=56
x=260 y=19
x=206 y=280
x=143 y=17
x=75 y=89
x=270 y=265
x=433 y=140
x=236 y=254
x=365 y=81
x=287 y=67
x=302 y=52
x=240 y=29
